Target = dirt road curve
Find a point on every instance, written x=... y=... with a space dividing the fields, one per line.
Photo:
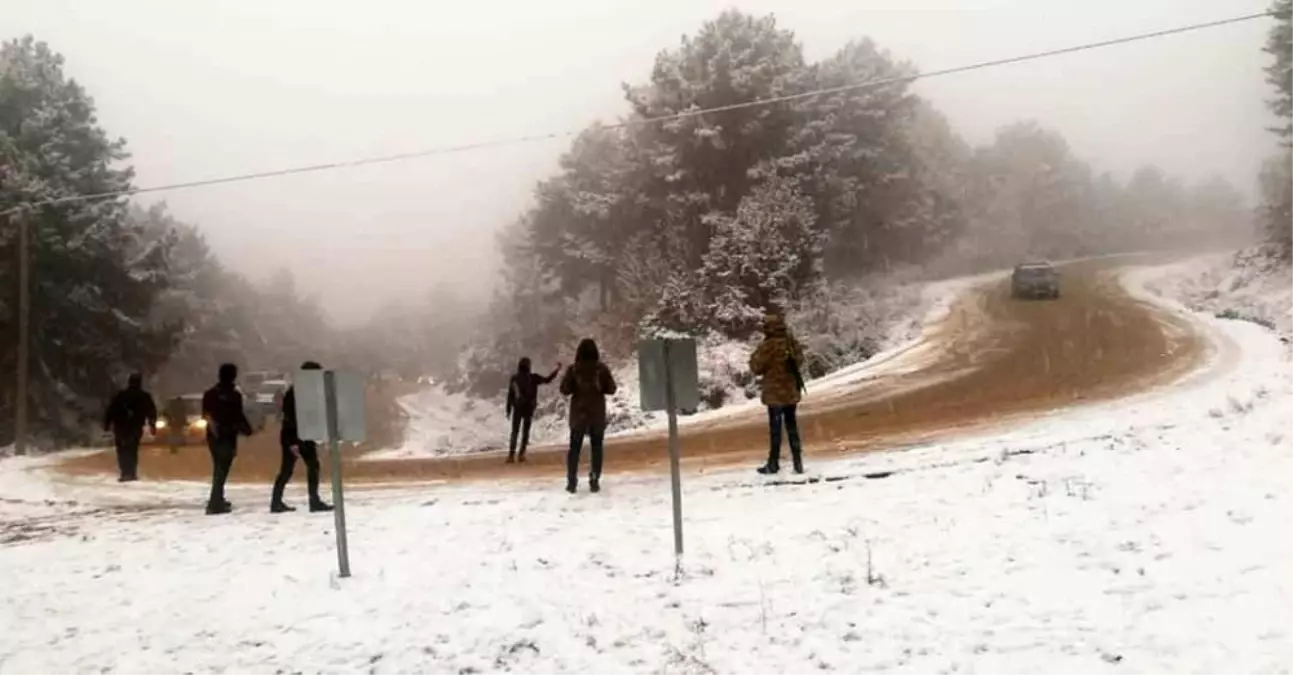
x=994 y=359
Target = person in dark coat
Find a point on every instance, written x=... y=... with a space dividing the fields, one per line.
x=778 y=363
x=126 y=416
x=293 y=448
x=522 y=398
x=222 y=407
x=588 y=382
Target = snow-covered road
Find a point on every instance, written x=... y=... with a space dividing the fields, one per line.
x=1149 y=534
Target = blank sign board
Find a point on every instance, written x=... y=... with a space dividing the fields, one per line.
x=681 y=358
x=312 y=392
x=311 y=405
x=350 y=406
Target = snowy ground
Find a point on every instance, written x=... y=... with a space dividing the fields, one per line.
x=1146 y=535
x=1246 y=285
x=443 y=423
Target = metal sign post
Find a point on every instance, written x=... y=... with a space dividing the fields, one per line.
x=671 y=404
x=330 y=408
x=669 y=381
x=338 y=499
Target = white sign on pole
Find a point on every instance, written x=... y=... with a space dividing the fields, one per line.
x=330 y=407
x=670 y=382
x=311 y=405
x=685 y=374
x=350 y=393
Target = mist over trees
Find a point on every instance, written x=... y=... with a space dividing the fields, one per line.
x=702 y=222
x=696 y=223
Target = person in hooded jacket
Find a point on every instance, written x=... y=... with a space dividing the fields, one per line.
x=222 y=407
x=127 y=413
x=778 y=361
x=588 y=382
x=522 y=398
x=293 y=447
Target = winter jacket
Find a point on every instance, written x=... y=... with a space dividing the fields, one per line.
x=129 y=411
x=587 y=383
x=523 y=392
x=771 y=361
x=222 y=406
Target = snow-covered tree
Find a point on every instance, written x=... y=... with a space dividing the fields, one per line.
x=762 y=257
x=700 y=164
x=93 y=283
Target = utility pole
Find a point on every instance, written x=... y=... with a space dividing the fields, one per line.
x=24 y=316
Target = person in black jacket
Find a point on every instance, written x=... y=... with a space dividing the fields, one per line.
x=293 y=447
x=126 y=416
x=522 y=398
x=222 y=407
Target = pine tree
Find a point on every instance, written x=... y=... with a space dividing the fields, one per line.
x=763 y=257
x=93 y=282
x=1279 y=74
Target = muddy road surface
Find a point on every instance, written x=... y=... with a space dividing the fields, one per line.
x=991 y=360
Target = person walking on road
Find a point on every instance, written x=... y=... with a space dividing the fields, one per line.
x=522 y=398
x=126 y=416
x=294 y=448
x=588 y=382
x=778 y=360
x=222 y=407
x=177 y=420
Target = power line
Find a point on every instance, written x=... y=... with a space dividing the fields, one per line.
x=451 y=149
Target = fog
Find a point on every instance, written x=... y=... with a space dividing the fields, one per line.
x=211 y=89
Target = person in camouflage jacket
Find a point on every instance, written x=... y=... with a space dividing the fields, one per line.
x=778 y=362
x=588 y=382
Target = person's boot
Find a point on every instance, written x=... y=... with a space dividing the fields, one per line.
x=217 y=509
x=571 y=486
x=280 y=507
x=511 y=458
x=317 y=505
x=521 y=457
x=798 y=460
x=770 y=468
x=594 y=484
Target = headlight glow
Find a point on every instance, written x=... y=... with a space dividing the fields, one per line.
x=161 y=424
x=201 y=423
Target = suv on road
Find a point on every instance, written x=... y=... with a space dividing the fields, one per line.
x=1035 y=280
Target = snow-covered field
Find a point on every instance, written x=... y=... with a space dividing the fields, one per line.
x=1145 y=535
x=443 y=423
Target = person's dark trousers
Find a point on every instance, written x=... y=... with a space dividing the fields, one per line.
x=777 y=416
x=596 y=438
x=222 y=454
x=520 y=425
x=128 y=454
x=309 y=455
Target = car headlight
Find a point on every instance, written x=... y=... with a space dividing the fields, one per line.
x=201 y=423
x=161 y=424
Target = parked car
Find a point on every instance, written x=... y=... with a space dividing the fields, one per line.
x=1035 y=280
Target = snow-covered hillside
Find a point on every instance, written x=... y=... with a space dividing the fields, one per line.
x=1144 y=535
x=1250 y=285
x=888 y=317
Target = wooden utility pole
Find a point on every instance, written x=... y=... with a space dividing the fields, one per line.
x=24 y=316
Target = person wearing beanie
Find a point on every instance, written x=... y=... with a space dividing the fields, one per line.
x=778 y=361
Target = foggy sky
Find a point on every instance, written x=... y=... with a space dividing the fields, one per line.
x=222 y=87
